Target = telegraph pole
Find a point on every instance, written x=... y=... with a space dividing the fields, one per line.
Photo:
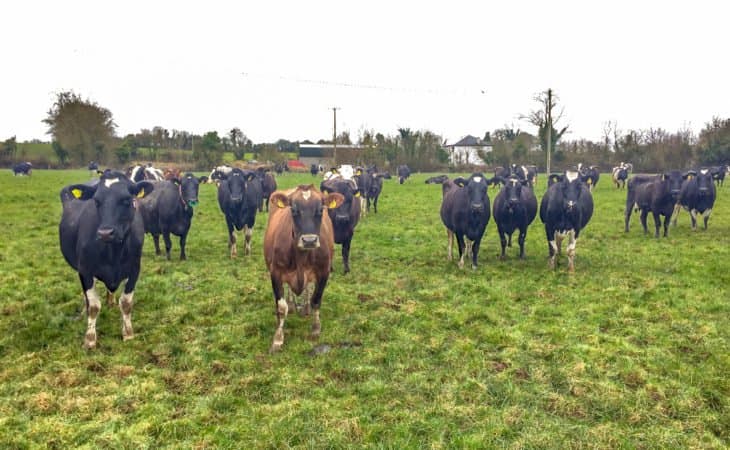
x=334 y=135
x=549 y=124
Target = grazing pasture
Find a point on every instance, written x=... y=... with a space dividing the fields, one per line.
x=631 y=351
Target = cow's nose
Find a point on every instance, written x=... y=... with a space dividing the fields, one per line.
x=236 y=198
x=571 y=204
x=477 y=206
x=105 y=234
x=342 y=218
x=308 y=241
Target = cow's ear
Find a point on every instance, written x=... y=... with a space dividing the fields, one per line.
x=250 y=176
x=359 y=172
x=556 y=178
x=81 y=191
x=279 y=199
x=333 y=200
x=141 y=189
x=689 y=174
x=459 y=181
x=324 y=189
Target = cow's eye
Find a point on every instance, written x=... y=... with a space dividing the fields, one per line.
x=294 y=211
x=319 y=210
x=126 y=202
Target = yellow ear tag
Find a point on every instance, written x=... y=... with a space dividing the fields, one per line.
x=280 y=204
x=359 y=172
x=140 y=194
x=76 y=193
x=357 y=194
x=333 y=204
x=590 y=181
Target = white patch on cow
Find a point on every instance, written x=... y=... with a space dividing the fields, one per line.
x=306 y=194
x=282 y=309
x=108 y=183
x=247 y=232
x=93 y=309
x=126 y=301
x=704 y=171
x=513 y=182
x=477 y=179
x=135 y=171
x=707 y=213
x=571 y=175
x=554 y=246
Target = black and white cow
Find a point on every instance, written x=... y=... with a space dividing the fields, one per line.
x=346 y=216
x=239 y=197
x=23 y=169
x=697 y=195
x=403 y=173
x=515 y=207
x=101 y=235
x=169 y=209
x=465 y=213
x=619 y=175
x=363 y=180
x=527 y=173
x=219 y=173
x=565 y=209
x=590 y=176
x=138 y=173
x=656 y=195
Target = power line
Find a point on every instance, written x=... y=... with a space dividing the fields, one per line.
x=353 y=85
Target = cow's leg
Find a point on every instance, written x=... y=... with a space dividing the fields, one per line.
x=247 y=233
x=93 y=307
x=462 y=249
x=126 y=301
x=168 y=243
x=572 y=242
x=316 y=302
x=627 y=213
x=657 y=223
x=552 y=247
x=667 y=217
x=290 y=299
x=450 y=245
x=693 y=217
x=675 y=214
x=282 y=309
x=706 y=216
x=509 y=240
x=346 y=254
x=231 y=239
x=502 y=242
x=642 y=217
x=306 y=298
x=521 y=240
x=475 y=253
x=375 y=204
x=156 y=239
x=183 y=241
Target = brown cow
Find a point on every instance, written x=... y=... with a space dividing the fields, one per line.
x=298 y=249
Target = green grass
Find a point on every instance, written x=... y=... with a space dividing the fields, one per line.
x=629 y=352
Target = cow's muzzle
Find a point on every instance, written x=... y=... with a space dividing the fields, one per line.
x=342 y=218
x=704 y=191
x=236 y=198
x=105 y=234
x=570 y=205
x=477 y=207
x=308 y=241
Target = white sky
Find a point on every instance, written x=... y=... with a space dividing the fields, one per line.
x=180 y=64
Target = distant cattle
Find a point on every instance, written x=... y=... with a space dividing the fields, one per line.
x=620 y=174
x=375 y=188
x=502 y=172
x=23 y=168
x=527 y=173
x=697 y=195
x=138 y=173
x=515 y=207
x=403 y=173
x=169 y=210
x=657 y=195
x=298 y=250
x=314 y=169
x=718 y=174
x=363 y=179
x=239 y=197
x=565 y=209
x=101 y=236
x=268 y=186
x=93 y=167
x=465 y=213
x=437 y=180
x=346 y=216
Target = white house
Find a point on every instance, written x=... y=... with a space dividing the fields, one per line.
x=466 y=151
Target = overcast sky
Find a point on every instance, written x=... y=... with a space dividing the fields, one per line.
x=455 y=68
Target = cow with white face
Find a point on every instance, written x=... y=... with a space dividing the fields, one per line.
x=565 y=209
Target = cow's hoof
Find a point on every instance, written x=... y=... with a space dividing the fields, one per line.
x=276 y=347
x=90 y=341
x=127 y=337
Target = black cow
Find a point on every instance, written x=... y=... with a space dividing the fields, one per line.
x=657 y=195
x=314 y=169
x=93 y=166
x=239 y=197
x=268 y=186
x=718 y=174
x=375 y=188
x=101 y=235
x=403 y=173
x=696 y=196
x=565 y=209
x=363 y=179
x=590 y=176
x=437 y=180
x=23 y=168
x=169 y=209
x=515 y=208
x=344 y=217
x=465 y=213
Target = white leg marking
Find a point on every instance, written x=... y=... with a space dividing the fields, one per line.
x=126 y=301
x=94 y=307
x=675 y=213
x=316 y=326
x=572 y=242
x=247 y=232
x=282 y=310
x=450 y=245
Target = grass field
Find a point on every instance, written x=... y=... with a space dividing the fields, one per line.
x=632 y=351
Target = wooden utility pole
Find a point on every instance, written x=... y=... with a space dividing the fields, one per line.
x=549 y=125
x=334 y=135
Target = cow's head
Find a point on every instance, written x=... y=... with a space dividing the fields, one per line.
x=705 y=184
x=306 y=206
x=673 y=182
x=350 y=193
x=513 y=190
x=571 y=186
x=189 y=186
x=237 y=180
x=476 y=188
x=114 y=197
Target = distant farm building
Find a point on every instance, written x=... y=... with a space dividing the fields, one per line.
x=467 y=150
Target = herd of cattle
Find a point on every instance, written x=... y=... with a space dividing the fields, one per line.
x=104 y=220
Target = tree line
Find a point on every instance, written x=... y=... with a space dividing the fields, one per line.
x=83 y=131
